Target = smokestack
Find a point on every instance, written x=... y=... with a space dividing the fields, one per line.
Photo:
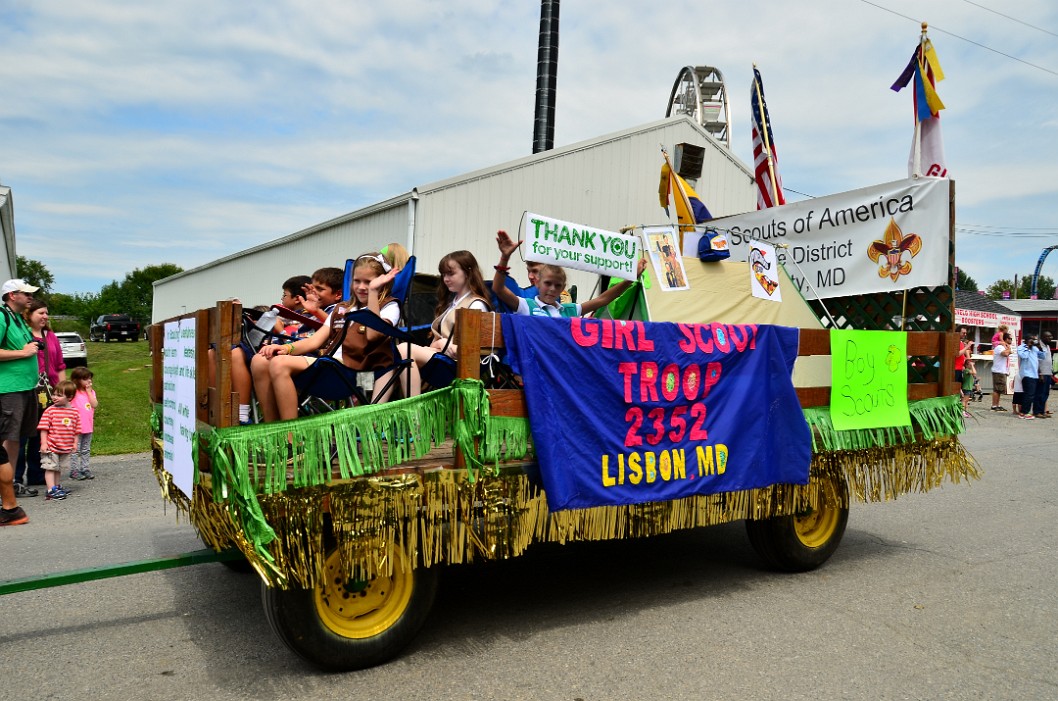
x=546 y=77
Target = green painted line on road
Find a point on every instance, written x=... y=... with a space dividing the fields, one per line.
x=198 y=557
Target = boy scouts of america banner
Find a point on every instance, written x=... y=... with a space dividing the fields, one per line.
x=631 y=412
x=878 y=239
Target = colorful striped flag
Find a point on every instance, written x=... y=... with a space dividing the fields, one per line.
x=765 y=157
x=690 y=209
x=927 y=147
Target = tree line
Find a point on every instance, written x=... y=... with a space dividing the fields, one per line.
x=133 y=296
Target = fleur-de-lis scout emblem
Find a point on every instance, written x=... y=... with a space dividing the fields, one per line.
x=889 y=251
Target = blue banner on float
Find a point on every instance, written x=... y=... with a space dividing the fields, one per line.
x=631 y=412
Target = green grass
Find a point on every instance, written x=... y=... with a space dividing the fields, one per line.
x=122 y=377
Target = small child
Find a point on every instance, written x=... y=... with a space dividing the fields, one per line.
x=324 y=292
x=294 y=299
x=551 y=281
x=85 y=403
x=969 y=377
x=997 y=337
x=59 y=426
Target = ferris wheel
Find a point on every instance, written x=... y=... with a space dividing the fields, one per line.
x=699 y=92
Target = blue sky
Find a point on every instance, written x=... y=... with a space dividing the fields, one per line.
x=141 y=133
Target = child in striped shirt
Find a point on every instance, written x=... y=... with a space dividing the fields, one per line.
x=60 y=426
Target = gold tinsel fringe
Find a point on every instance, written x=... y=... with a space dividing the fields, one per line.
x=446 y=516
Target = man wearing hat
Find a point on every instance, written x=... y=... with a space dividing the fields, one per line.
x=18 y=378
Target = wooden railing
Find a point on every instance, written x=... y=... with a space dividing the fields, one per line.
x=479 y=333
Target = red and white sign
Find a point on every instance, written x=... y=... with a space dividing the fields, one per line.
x=972 y=317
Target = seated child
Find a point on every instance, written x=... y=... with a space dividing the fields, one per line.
x=294 y=299
x=462 y=287
x=324 y=292
x=551 y=280
x=275 y=366
x=997 y=337
x=396 y=255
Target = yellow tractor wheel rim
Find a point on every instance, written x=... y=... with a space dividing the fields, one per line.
x=357 y=609
x=816 y=527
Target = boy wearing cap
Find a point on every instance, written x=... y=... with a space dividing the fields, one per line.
x=18 y=377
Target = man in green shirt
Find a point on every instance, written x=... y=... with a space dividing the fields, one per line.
x=18 y=378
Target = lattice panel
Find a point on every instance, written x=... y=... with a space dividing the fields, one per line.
x=928 y=309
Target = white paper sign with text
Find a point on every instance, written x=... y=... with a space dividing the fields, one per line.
x=178 y=403
x=580 y=247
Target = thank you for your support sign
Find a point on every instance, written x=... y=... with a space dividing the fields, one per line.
x=878 y=239
x=580 y=247
x=626 y=412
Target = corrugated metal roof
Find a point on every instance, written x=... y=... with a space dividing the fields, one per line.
x=397 y=201
x=978 y=302
x=1039 y=306
x=608 y=181
x=561 y=152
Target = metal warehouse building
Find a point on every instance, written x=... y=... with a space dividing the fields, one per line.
x=607 y=182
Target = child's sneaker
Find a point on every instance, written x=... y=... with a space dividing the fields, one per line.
x=13 y=517
x=54 y=494
x=86 y=474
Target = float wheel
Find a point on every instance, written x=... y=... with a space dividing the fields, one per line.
x=803 y=541
x=345 y=624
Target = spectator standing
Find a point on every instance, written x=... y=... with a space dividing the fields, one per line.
x=51 y=363
x=1046 y=378
x=1029 y=355
x=969 y=376
x=18 y=378
x=960 y=359
x=1000 y=367
x=85 y=404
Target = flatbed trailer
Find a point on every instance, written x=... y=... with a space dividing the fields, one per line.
x=349 y=530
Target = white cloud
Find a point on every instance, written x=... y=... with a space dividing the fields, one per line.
x=132 y=133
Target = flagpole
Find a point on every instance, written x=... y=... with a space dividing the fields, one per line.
x=683 y=196
x=917 y=160
x=767 y=141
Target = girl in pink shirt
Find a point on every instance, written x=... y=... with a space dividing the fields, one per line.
x=85 y=402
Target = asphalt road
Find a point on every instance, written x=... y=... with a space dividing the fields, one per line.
x=947 y=595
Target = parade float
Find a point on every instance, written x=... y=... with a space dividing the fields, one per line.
x=711 y=392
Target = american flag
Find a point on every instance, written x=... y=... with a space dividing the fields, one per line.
x=766 y=196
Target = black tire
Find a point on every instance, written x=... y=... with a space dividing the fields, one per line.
x=343 y=627
x=802 y=542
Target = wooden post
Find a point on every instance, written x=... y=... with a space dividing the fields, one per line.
x=223 y=333
x=950 y=348
x=468 y=340
x=156 y=338
x=201 y=318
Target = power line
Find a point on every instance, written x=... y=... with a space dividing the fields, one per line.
x=1013 y=19
x=1006 y=235
x=1009 y=228
x=969 y=41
